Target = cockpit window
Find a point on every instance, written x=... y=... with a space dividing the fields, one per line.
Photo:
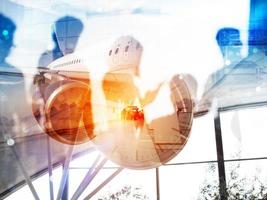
x=117 y=50
x=110 y=52
x=126 y=48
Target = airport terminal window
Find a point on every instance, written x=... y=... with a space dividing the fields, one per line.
x=204 y=142
x=242 y=129
x=187 y=180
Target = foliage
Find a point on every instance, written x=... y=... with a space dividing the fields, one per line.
x=127 y=192
x=237 y=188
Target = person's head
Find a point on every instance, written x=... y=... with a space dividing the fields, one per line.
x=66 y=33
x=228 y=39
x=7 y=29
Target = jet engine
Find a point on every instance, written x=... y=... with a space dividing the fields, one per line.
x=60 y=105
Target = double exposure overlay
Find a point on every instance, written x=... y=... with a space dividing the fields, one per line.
x=133 y=99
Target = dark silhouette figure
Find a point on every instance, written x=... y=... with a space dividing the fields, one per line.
x=65 y=35
x=66 y=32
x=7 y=29
x=228 y=40
x=11 y=111
x=12 y=80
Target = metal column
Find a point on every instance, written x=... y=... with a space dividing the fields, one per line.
x=157 y=183
x=220 y=156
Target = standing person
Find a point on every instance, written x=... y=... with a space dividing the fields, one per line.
x=7 y=30
x=12 y=102
x=65 y=35
x=228 y=40
x=12 y=79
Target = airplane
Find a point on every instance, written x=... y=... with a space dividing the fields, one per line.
x=79 y=98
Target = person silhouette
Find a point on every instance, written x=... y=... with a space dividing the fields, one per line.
x=7 y=29
x=11 y=77
x=65 y=35
x=12 y=112
x=228 y=40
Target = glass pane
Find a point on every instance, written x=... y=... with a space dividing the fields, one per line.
x=201 y=142
x=244 y=133
x=41 y=185
x=187 y=181
x=126 y=184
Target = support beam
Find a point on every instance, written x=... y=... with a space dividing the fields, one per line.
x=50 y=169
x=85 y=181
x=157 y=183
x=65 y=194
x=24 y=172
x=88 y=179
x=220 y=156
x=103 y=184
x=65 y=173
